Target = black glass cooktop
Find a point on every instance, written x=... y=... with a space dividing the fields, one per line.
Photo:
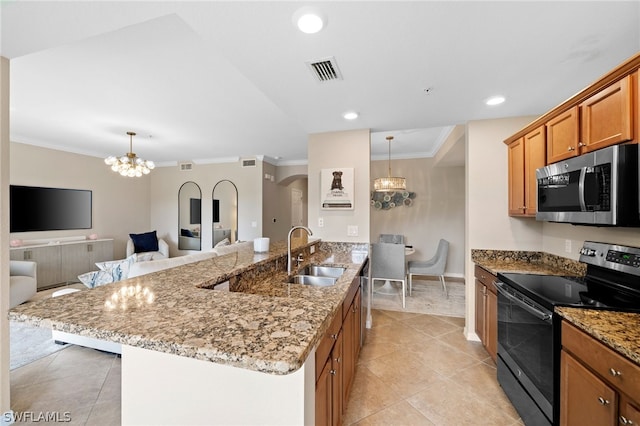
x=547 y=290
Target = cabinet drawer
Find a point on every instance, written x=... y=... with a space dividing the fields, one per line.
x=326 y=343
x=611 y=366
x=485 y=277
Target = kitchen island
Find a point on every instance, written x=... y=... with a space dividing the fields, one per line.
x=193 y=354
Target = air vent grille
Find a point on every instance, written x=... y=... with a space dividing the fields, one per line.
x=325 y=69
x=186 y=167
x=248 y=163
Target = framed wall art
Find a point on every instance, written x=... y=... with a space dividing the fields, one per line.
x=336 y=189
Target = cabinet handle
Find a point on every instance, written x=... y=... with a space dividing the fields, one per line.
x=603 y=401
x=334 y=336
x=353 y=309
x=338 y=360
x=625 y=421
x=580 y=144
x=333 y=372
x=614 y=372
x=571 y=148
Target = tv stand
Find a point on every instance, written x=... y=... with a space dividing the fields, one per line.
x=62 y=260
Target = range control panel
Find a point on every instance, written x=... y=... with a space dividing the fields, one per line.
x=611 y=256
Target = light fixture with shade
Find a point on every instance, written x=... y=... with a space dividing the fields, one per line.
x=390 y=183
x=130 y=164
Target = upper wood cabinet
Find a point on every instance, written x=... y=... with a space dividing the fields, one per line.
x=563 y=132
x=525 y=156
x=607 y=117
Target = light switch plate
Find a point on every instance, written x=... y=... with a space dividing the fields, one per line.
x=352 y=230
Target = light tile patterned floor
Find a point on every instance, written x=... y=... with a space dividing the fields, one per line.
x=415 y=369
x=418 y=369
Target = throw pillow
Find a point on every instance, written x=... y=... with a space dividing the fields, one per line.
x=95 y=278
x=119 y=269
x=145 y=242
x=186 y=233
x=224 y=242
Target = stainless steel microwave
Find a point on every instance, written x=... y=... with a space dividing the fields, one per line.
x=598 y=188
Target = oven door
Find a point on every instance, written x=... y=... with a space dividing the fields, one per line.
x=526 y=355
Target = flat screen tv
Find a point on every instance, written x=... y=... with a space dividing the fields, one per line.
x=33 y=208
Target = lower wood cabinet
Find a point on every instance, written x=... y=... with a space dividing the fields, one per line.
x=598 y=386
x=486 y=310
x=336 y=358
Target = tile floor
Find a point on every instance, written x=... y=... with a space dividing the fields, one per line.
x=415 y=369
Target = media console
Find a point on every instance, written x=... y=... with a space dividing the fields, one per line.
x=61 y=261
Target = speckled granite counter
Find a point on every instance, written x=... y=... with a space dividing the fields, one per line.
x=526 y=262
x=618 y=330
x=270 y=326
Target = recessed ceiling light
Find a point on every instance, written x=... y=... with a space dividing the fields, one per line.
x=308 y=20
x=495 y=100
x=350 y=115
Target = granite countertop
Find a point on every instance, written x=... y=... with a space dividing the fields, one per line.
x=270 y=326
x=526 y=262
x=618 y=330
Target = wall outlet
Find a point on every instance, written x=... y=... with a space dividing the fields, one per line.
x=352 y=230
x=567 y=246
x=254 y=224
x=312 y=249
x=320 y=222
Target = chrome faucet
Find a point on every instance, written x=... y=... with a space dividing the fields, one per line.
x=293 y=228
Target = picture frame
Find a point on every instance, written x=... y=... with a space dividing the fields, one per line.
x=336 y=188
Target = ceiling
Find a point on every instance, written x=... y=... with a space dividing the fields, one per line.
x=208 y=81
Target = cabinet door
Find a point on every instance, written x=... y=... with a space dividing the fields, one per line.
x=323 y=396
x=480 y=310
x=516 y=178
x=74 y=261
x=100 y=251
x=349 y=365
x=629 y=415
x=491 y=321
x=607 y=116
x=535 y=150
x=48 y=260
x=562 y=136
x=337 y=384
x=584 y=398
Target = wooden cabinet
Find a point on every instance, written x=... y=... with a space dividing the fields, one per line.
x=597 y=385
x=563 y=133
x=525 y=156
x=336 y=357
x=487 y=310
x=606 y=118
x=59 y=263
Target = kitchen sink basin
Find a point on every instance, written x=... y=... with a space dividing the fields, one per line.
x=322 y=271
x=313 y=280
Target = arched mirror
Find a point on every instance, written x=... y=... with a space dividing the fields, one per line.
x=189 y=214
x=225 y=212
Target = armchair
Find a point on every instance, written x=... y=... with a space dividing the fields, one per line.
x=23 y=283
x=161 y=253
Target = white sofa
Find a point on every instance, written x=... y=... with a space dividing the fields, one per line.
x=142 y=268
x=23 y=282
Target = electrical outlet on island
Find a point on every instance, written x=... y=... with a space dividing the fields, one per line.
x=567 y=246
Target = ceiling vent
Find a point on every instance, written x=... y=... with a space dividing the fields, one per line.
x=186 y=166
x=325 y=69
x=249 y=163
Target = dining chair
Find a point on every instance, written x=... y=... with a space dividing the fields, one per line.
x=392 y=238
x=432 y=267
x=388 y=264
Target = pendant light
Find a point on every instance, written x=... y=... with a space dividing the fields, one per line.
x=390 y=183
x=130 y=164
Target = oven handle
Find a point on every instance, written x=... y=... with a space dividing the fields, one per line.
x=542 y=315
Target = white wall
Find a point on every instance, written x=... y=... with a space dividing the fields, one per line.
x=348 y=149
x=437 y=210
x=554 y=236
x=166 y=181
x=4 y=235
x=488 y=225
x=120 y=204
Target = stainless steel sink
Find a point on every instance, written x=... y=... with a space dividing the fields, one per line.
x=322 y=271
x=313 y=280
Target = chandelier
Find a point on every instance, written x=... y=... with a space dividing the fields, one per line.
x=390 y=183
x=130 y=164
